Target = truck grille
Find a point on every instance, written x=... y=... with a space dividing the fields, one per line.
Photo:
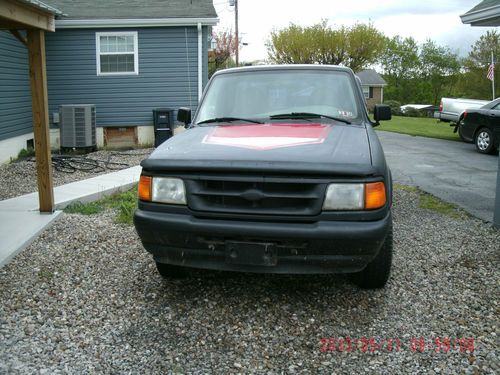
x=255 y=195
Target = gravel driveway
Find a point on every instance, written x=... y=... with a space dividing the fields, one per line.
x=19 y=177
x=86 y=298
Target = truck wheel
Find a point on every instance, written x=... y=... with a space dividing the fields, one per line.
x=484 y=141
x=168 y=271
x=377 y=272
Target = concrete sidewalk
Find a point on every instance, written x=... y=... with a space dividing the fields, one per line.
x=21 y=223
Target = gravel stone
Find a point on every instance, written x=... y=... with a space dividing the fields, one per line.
x=19 y=177
x=85 y=297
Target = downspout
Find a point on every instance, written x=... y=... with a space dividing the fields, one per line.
x=200 y=62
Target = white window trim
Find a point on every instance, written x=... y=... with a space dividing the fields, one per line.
x=98 y=53
x=366 y=93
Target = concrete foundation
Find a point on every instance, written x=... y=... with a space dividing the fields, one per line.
x=9 y=148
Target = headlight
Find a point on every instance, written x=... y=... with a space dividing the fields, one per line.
x=168 y=190
x=344 y=197
x=162 y=189
x=368 y=196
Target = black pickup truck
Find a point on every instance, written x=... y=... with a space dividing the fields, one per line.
x=279 y=171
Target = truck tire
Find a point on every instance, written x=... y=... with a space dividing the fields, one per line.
x=485 y=144
x=377 y=272
x=168 y=271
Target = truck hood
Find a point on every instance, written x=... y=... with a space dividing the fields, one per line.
x=284 y=148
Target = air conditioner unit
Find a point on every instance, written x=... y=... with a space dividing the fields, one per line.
x=77 y=126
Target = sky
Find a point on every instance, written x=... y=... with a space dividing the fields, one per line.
x=423 y=19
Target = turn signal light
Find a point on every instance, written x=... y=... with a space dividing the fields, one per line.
x=144 y=190
x=374 y=195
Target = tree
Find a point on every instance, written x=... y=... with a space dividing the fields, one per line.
x=355 y=47
x=480 y=55
x=439 y=70
x=418 y=74
x=474 y=83
x=294 y=45
x=220 y=56
x=365 y=43
x=400 y=64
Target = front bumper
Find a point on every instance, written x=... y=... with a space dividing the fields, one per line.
x=314 y=247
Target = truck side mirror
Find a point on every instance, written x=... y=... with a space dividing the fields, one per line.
x=381 y=112
x=184 y=115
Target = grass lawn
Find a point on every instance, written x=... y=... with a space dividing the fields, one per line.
x=421 y=126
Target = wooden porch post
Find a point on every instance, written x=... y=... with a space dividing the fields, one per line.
x=38 y=77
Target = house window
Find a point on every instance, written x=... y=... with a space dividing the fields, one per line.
x=368 y=92
x=117 y=53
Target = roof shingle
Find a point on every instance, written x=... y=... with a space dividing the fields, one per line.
x=370 y=77
x=42 y=6
x=484 y=5
x=134 y=9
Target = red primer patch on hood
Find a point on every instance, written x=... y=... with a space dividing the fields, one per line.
x=267 y=136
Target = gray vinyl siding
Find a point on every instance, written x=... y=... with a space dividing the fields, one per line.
x=168 y=74
x=15 y=92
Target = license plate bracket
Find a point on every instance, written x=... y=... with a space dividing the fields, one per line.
x=251 y=253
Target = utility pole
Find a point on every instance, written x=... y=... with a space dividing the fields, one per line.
x=237 y=59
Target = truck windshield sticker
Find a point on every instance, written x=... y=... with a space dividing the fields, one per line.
x=347 y=114
x=267 y=136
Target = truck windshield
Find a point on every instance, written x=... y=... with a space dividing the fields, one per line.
x=272 y=94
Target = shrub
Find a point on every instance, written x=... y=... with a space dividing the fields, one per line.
x=395 y=107
x=412 y=112
x=26 y=153
x=124 y=203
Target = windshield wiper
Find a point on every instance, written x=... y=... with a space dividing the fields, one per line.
x=293 y=115
x=228 y=119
